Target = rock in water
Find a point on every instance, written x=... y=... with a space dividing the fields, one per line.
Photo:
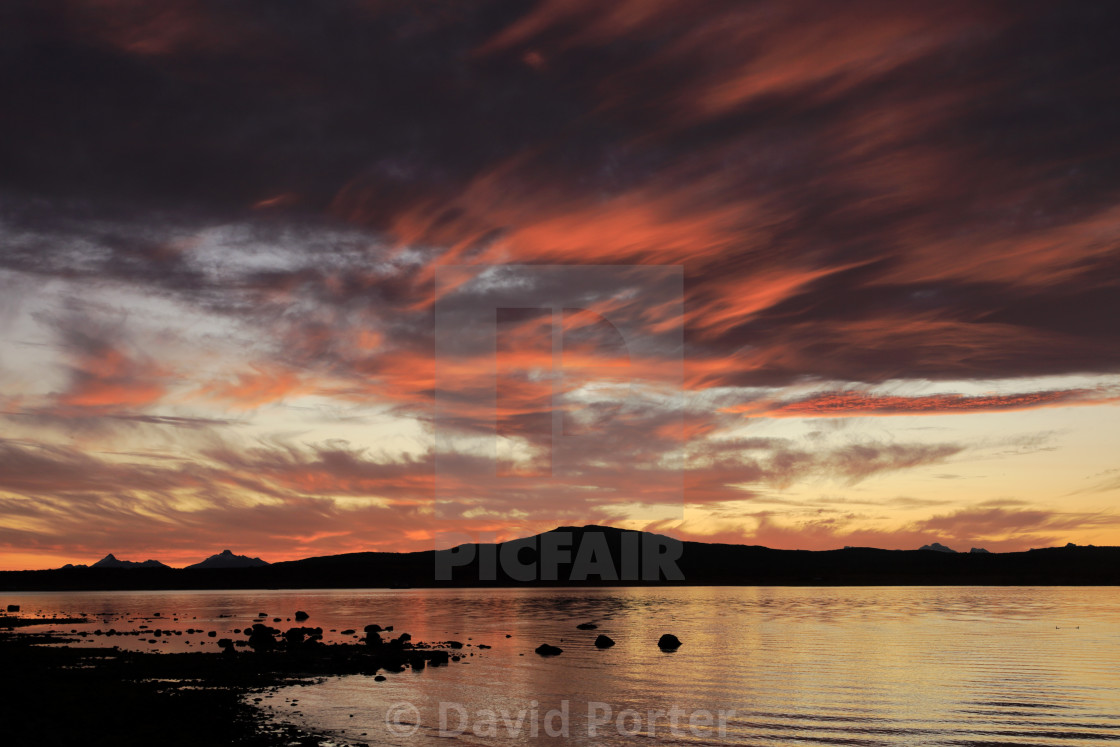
x=301 y=615
x=668 y=642
x=586 y=626
x=262 y=638
x=546 y=650
x=604 y=641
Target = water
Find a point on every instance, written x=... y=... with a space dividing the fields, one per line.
x=759 y=666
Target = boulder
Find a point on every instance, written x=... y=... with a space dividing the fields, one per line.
x=586 y=626
x=437 y=658
x=668 y=642
x=301 y=615
x=547 y=650
x=604 y=641
x=262 y=638
x=297 y=637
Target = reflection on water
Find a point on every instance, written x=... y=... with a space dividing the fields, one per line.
x=853 y=666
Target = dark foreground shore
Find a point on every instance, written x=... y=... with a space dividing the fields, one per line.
x=82 y=696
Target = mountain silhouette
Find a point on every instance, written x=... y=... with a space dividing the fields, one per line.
x=603 y=556
x=110 y=561
x=226 y=559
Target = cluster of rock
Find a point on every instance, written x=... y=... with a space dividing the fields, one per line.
x=667 y=642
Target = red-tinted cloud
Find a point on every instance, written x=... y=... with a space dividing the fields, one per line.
x=108 y=378
x=856 y=404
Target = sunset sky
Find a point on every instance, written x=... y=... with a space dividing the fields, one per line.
x=302 y=278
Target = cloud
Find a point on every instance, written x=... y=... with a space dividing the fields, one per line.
x=997 y=522
x=856 y=404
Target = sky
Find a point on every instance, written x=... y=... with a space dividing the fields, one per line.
x=299 y=279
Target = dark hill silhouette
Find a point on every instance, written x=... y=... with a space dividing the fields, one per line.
x=699 y=564
x=226 y=559
x=110 y=561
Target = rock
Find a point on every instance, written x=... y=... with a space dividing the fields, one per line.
x=375 y=628
x=455 y=644
x=13 y=608
x=262 y=638
x=586 y=626
x=301 y=616
x=546 y=650
x=379 y=678
x=348 y=631
x=604 y=641
x=212 y=634
x=297 y=637
x=668 y=642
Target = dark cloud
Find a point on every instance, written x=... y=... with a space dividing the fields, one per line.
x=882 y=190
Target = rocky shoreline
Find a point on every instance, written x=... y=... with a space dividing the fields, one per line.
x=81 y=695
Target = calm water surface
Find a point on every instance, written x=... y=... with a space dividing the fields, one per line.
x=786 y=666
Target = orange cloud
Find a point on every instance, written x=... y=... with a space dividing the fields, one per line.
x=857 y=404
x=106 y=377
x=252 y=389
